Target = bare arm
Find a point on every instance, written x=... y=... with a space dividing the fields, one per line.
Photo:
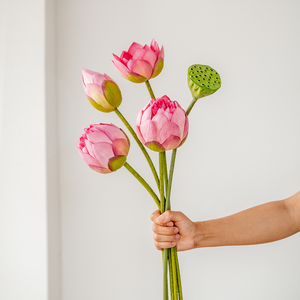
x=261 y=224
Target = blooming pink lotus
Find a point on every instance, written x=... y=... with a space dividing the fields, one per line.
x=162 y=125
x=102 y=92
x=140 y=63
x=104 y=147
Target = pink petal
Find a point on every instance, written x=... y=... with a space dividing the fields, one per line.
x=90 y=160
x=168 y=130
x=148 y=131
x=161 y=53
x=140 y=67
x=139 y=118
x=138 y=133
x=113 y=132
x=98 y=137
x=146 y=114
x=171 y=143
x=154 y=46
x=121 y=68
x=98 y=79
x=117 y=58
x=87 y=76
x=186 y=128
x=178 y=118
x=102 y=170
x=134 y=47
x=125 y=57
x=89 y=147
x=120 y=147
x=159 y=120
x=103 y=152
x=146 y=55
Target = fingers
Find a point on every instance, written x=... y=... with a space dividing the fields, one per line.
x=164 y=245
x=167 y=216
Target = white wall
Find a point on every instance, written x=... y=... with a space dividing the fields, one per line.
x=23 y=249
x=243 y=148
x=29 y=214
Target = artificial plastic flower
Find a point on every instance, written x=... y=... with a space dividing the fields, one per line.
x=104 y=147
x=140 y=63
x=162 y=125
x=102 y=92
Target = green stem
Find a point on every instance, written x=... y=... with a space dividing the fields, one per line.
x=165 y=253
x=171 y=275
x=140 y=145
x=173 y=262
x=150 y=89
x=161 y=180
x=191 y=106
x=165 y=173
x=162 y=209
x=178 y=275
x=171 y=172
x=143 y=182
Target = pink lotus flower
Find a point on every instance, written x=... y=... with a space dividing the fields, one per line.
x=140 y=63
x=162 y=125
x=102 y=92
x=104 y=147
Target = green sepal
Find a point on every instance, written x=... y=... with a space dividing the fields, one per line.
x=99 y=107
x=116 y=162
x=203 y=80
x=155 y=146
x=112 y=94
x=136 y=78
x=158 y=68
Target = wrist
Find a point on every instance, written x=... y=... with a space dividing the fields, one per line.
x=204 y=236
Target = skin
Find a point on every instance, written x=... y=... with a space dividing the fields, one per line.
x=265 y=223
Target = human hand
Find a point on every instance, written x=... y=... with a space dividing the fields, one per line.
x=173 y=228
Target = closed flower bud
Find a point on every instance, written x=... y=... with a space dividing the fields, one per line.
x=104 y=147
x=162 y=125
x=140 y=63
x=102 y=92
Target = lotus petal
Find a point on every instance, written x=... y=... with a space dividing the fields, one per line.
x=171 y=143
x=103 y=151
x=140 y=67
x=148 y=131
x=169 y=129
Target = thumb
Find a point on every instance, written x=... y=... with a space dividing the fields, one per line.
x=167 y=216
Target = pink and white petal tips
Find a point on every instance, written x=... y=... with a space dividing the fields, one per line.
x=162 y=125
x=140 y=63
x=104 y=147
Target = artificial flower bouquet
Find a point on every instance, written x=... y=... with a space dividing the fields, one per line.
x=160 y=126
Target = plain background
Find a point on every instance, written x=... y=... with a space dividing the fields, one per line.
x=242 y=150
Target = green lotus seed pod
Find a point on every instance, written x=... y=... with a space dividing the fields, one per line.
x=203 y=80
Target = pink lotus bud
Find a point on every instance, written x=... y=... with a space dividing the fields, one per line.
x=140 y=63
x=102 y=92
x=104 y=147
x=162 y=125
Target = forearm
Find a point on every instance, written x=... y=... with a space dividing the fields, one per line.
x=261 y=224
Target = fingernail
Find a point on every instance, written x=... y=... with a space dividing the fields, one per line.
x=177 y=236
x=170 y=224
x=176 y=230
x=160 y=219
x=173 y=243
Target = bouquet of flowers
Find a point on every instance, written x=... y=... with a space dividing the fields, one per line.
x=160 y=126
